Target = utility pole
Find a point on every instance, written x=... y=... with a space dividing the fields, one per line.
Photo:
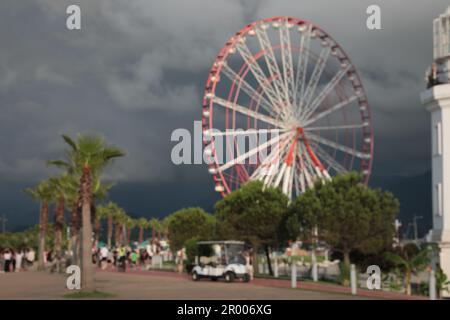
x=3 y=220
x=415 y=218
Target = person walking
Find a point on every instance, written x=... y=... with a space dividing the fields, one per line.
x=7 y=258
x=19 y=257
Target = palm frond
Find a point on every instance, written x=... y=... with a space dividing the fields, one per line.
x=70 y=142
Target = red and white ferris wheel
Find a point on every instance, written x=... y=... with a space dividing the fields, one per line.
x=287 y=80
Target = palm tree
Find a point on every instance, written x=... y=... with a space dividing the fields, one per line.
x=155 y=225
x=61 y=188
x=142 y=223
x=87 y=156
x=410 y=259
x=42 y=193
x=130 y=224
x=110 y=210
x=119 y=220
x=101 y=213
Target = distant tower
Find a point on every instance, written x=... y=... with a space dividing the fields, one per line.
x=436 y=99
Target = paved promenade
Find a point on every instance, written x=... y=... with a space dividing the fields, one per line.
x=169 y=285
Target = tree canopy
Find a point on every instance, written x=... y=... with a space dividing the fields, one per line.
x=189 y=223
x=348 y=214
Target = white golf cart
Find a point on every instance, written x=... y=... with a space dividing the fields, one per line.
x=220 y=260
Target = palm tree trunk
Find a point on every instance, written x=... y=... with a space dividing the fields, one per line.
x=74 y=233
x=87 y=271
x=118 y=232
x=141 y=234
x=153 y=234
x=408 y=282
x=128 y=235
x=98 y=227
x=59 y=222
x=43 y=217
x=110 y=230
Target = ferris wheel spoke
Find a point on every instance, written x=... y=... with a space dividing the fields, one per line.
x=286 y=58
x=248 y=89
x=239 y=132
x=337 y=146
x=306 y=167
x=246 y=111
x=267 y=164
x=329 y=160
x=315 y=77
x=272 y=64
x=300 y=175
x=309 y=109
x=241 y=158
x=343 y=127
x=330 y=110
x=302 y=65
x=276 y=167
x=259 y=75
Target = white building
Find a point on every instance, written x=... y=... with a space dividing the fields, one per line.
x=437 y=101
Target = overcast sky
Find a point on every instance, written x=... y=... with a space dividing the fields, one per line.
x=136 y=71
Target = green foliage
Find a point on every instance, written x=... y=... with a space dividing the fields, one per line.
x=88 y=150
x=189 y=223
x=344 y=274
x=191 y=249
x=252 y=213
x=349 y=215
x=42 y=192
x=28 y=238
x=301 y=217
x=409 y=258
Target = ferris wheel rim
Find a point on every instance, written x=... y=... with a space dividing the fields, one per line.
x=225 y=53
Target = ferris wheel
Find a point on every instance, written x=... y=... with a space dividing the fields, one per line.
x=289 y=85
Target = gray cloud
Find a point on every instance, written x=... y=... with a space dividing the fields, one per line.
x=137 y=68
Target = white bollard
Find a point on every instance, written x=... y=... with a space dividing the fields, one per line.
x=314 y=270
x=353 y=278
x=275 y=267
x=432 y=285
x=293 y=275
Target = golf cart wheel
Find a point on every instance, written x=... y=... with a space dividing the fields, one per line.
x=195 y=276
x=229 y=276
x=246 y=277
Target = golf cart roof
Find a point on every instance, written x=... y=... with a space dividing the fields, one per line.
x=221 y=242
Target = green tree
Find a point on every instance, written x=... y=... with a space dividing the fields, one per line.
x=301 y=218
x=252 y=213
x=130 y=224
x=42 y=193
x=110 y=210
x=189 y=223
x=119 y=219
x=442 y=282
x=349 y=215
x=87 y=156
x=142 y=224
x=410 y=259
x=155 y=225
x=61 y=188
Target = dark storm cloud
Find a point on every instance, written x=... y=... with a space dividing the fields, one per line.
x=136 y=70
